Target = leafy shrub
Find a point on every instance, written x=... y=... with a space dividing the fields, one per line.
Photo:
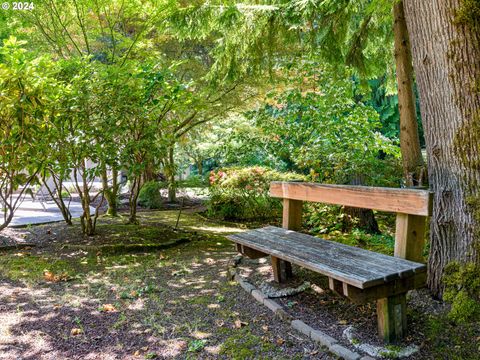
x=150 y=196
x=242 y=193
x=462 y=290
x=193 y=181
x=331 y=222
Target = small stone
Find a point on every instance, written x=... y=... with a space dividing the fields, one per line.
x=343 y=352
x=322 y=338
x=272 y=305
x=300 y=326
x=258 y=295
x=244 y=284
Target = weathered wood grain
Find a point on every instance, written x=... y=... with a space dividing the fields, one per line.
x=407 y=201
x=392 y=317
x=249 y=252
x=393 y=288
x=410 y=237
x=292 y=214
x=357 y=267
x=282 y=270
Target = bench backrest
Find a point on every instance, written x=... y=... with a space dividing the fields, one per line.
x=412 y=207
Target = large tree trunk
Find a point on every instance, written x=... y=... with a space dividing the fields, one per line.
x=413 y=164
x=446 y=53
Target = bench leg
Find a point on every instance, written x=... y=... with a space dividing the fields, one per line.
x=392 y=317
x=336 y=286
x=282 y=270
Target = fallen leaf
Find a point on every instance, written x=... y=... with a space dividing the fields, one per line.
x=343 y=322
x=265 y=328
x=239 y=323
x=108 y=308
x=280 y=341
x=50 y=276
x=136 y=353
x=75 y=331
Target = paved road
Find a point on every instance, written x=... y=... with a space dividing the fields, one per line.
x=32 y=212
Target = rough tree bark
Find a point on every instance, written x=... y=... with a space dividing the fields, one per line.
x=170 y=173
x=137 y=183
x=446 y=52
x=413 y=164
x=110 y=192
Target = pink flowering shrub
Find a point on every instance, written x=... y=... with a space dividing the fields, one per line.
x=242 y=193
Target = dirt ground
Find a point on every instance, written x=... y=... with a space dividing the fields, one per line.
x=153 y=291
x=72 y=297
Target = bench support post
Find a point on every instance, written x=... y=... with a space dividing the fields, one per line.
x=392 y=317
x=410 y=237
x=292 y=214
x=336 y=286
x=292 y=220
x=282 y=270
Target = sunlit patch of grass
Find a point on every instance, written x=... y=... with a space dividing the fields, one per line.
x=31 y=268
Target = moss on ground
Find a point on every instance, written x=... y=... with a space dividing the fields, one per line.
x=242 y=344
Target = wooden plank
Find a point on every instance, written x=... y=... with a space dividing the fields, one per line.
x=282 y=270
x=249 y=252
x=325 y=258
x=292 y=214
x=320 y=248
x=410 y=237
x=407 y=201
x=372 y=260
x=392 y=317
x=397 y=287
x=297 y=257
x=320 y=256
x=357 y=267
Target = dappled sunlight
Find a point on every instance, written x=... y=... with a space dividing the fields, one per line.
x=213 y=349
x=138 y=304
x=207 y=291
x=195 y=222
x=173 y=347
x=201 y=335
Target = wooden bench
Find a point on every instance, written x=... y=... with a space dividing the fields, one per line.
x=358 y=274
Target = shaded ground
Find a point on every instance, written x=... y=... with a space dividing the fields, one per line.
x=428 y=324
x=72 y=297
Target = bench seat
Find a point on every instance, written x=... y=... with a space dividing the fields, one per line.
x=357 y=267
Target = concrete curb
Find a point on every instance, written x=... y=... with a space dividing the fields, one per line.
x=316 y=335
